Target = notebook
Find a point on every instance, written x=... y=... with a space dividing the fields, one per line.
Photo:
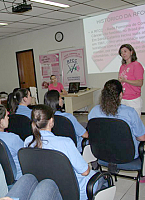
x=74 y=87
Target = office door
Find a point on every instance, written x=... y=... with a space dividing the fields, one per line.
x=26 y=69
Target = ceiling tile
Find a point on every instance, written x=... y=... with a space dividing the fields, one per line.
x=82 y=9
x=106 y=4
x=70 y=3
x=59 y=15
x=37 y=11
x=12 y=17
x=38 y=20
x=80 y=1
x=7 y=30
x=136 y=1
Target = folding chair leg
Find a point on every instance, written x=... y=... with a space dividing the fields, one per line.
x=137 y=186
x=115 y=178
x=100 y=168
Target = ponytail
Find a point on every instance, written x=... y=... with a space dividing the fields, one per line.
x=16 y=99
x=36 y=136
x=41 y=114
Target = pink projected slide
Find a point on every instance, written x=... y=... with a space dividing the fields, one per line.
x=104 y=34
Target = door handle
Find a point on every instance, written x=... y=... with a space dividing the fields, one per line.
x=22 y=82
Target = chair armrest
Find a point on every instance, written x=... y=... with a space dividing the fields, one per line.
x=85 y=142
x=106 y=175
x=141 y=150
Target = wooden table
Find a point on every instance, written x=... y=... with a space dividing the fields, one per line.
x=76 y=101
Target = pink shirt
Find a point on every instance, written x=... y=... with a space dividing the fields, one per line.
x=59 y=87
x=132 y=71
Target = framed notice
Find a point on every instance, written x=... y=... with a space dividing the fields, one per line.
x=72 y=64
x=49 y=64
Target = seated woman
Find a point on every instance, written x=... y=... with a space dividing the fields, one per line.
x=110 y=106
x=12 y=140
x=42 y=123
x=27 y=187
x=54 y=85
x=52 y=98
x=20 y=99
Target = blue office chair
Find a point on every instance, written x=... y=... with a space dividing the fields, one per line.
x=20 y=125
x=7 y=162
x=64 y=127
x=112 y=144
x=52 y=164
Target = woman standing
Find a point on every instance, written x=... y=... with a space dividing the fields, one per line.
x=131 y=76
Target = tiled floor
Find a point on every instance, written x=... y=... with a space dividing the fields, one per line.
x=125 y=187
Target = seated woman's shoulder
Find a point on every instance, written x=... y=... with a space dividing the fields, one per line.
x=128 y=109
x=64 y=140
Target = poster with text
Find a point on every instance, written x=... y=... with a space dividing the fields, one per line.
x=73 y=69
x=49 y=65
x=104 y=34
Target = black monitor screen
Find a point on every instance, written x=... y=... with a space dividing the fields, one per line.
x=74 y=86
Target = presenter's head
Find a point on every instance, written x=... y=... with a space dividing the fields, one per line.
x=111 y=96
x=53 y=79
x=53 y=99
x=128 y=54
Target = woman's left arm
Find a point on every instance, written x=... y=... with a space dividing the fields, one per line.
x=64 y=92
x=137 y=83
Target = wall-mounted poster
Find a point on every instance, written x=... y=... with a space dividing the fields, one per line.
x=49 y=64
x=73 y=69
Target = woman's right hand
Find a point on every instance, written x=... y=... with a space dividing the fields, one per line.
x=6 y=198
x=86 y=172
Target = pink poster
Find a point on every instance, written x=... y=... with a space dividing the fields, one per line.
x=73 y=69
x=49 y=64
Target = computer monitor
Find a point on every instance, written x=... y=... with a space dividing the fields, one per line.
x=74 y=87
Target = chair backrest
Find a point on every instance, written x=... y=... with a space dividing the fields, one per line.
x=7 y=162
x=44 y=163
x=111 y=140
x=64 y=127
x=20 y=125
x=3 y=94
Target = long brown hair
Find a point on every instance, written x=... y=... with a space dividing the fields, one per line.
x=40 y=116
x=130 y=48
x=110 y=97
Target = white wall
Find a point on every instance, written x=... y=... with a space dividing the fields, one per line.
x=42 y=42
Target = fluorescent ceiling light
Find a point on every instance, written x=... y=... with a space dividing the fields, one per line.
x=51 y=3
x=3 y=24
